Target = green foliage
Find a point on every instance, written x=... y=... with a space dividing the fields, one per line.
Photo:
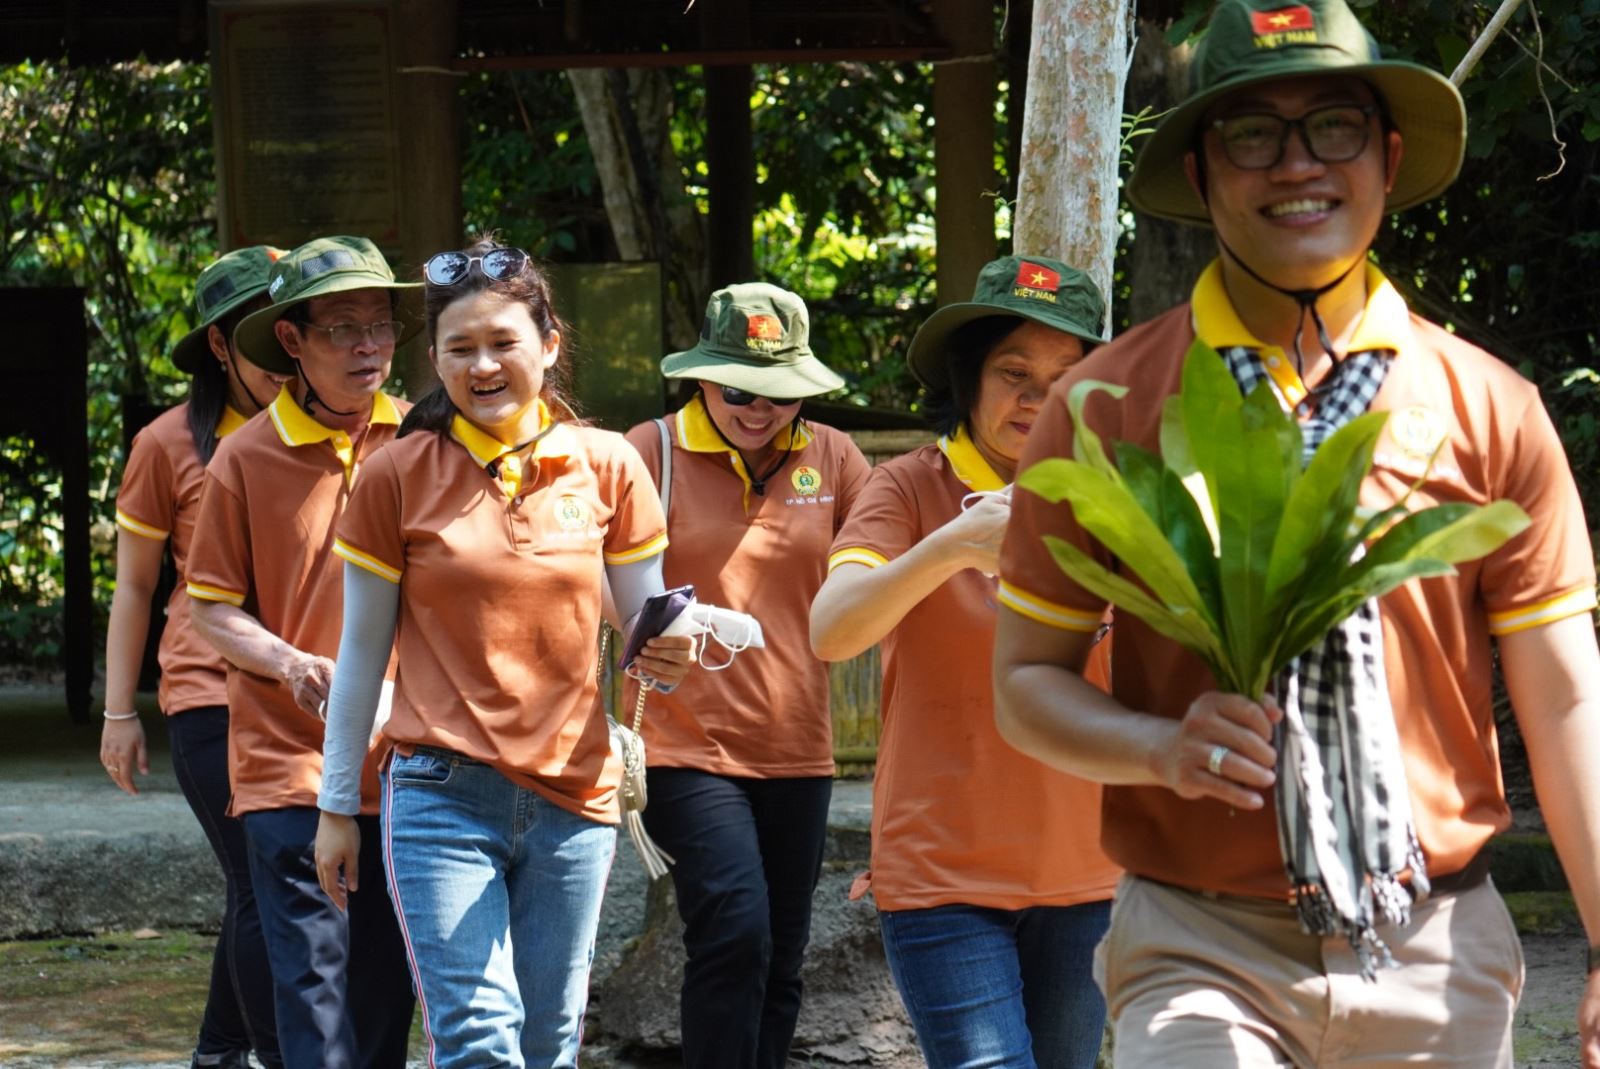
x=105 y=183
x=1241 y=555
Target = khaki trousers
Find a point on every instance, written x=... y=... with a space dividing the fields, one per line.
x=1214 y=982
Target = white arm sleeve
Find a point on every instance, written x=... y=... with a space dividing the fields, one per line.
x=632 y=583
x=371 y=606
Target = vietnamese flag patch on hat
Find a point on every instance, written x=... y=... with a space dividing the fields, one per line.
x=1035 y=277
x=765 y=327
x=1283 y=20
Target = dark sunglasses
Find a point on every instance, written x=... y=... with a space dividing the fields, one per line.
x=740 y=398
x=500 y=265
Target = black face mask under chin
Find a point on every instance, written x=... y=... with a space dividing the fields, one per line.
x=312 y=399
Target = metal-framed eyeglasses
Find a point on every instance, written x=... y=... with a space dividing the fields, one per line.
x=349 y=335
x=1336 y=134
x=498 y=264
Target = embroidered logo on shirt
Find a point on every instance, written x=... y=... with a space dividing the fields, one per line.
x=1418 y=431
x=571 y=513
x=807 y=481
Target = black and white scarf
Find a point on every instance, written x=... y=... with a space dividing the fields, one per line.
x=1344 y=811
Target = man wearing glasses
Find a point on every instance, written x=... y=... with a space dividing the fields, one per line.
x=268 y=593
x=1255 y=928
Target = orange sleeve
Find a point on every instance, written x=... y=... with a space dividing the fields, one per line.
x=852 y=478
x=369 y=534
x=882 y=524
x=646 y=441
x=220 y=561
x=1547 y=572
x=145 y=502
x=637 y=530
x=1031 y=583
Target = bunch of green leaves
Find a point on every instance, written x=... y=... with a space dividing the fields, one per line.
x=1246 y=555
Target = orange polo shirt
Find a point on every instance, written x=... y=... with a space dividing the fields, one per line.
x=958 y=814
x=264 y=542
x=160 y=499
x=767 y=715
x=1498 y=442
x=500 y=595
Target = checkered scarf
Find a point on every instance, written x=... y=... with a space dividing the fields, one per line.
x=1344 y=813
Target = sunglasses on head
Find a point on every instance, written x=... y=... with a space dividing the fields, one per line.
x=740 y=398
x=499 y=265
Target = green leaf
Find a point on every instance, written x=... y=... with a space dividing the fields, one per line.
x=1315 y=618
x=1450 y=533
x=1086 y=445
x=1210 y=402
x=1180 y=626
x=1175 y=511
x=1105 y=508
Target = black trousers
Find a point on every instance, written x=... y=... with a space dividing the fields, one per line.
x=342 y=983
x=749 y=852
x=239 y=1013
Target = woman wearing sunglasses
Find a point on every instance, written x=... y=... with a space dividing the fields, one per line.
x=157 y=506
x=741 y=760
x=987 y=872
x=476 y=546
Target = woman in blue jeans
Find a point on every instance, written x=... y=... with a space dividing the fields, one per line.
x=156 y=509
x=476 y=547
x=986 y=866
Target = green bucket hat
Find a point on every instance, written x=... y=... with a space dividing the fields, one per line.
x=1028 y=287
x=1253 y=41
x=224 y=285
x=316 y=269
x=756 y=338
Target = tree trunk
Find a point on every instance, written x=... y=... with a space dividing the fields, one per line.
x=1072 y=134
x=626 y=117
x=1166 y=257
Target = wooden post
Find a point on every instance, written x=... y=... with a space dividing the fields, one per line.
x=730 y=154
x=1072 y=132
x=64 y=308
x=963 y=146
x=429 y=129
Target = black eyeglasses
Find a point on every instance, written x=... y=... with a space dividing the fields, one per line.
x=1332 y=135
x=349 y=335
x=448 y=268
x=740 y=398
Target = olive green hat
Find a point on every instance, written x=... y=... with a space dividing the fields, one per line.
x=319 y=268
x=1028 y=287
x=224 y=285
x=1254 y=41
x=756 y=338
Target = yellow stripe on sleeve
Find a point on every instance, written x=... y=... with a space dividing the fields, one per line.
x=856 y=555
x=211 y=593
x=1048 y=612
x=656 y=545
x=1544 y=612
x=366 y=561
x=143 y=530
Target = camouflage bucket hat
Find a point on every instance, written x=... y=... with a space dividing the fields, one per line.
x=224 y=285
x=1253 y=41
x=756 y=338
x=316 y=269
x=1026 y=287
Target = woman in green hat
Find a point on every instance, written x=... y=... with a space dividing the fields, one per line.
x=741 y=760
x=156 y=507
x=987 y=871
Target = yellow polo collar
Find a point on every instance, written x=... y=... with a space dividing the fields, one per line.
x=297 y=428
x=486 y=449
x=698 y=434
x=232 y=419
x=1385 y=324
x=967 y=463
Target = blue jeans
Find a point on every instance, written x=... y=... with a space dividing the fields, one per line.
x=748 y=852
x=239 y=1012
x=498 y=891
x=994 y=987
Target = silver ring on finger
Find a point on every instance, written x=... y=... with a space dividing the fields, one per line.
x=1219 y=754
x=113 y=769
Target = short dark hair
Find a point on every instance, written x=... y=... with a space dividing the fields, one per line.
x=948 y=407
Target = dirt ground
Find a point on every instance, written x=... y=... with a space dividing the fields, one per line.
x=132 y=999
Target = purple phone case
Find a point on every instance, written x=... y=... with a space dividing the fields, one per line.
x=658 y=612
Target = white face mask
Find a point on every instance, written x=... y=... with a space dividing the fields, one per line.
x=734 y=631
